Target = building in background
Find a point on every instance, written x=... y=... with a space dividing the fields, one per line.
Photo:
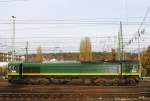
x=6 y=57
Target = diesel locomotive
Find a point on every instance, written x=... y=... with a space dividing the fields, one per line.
x=89 y=73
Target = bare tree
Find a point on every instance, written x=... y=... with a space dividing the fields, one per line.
x=39 y=56
x=85 y=50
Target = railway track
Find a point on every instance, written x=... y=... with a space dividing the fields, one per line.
x=71 y=96
x=57 y=92
x=71 y=93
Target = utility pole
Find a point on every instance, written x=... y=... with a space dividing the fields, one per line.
x=120 y=48
x=139 y=55
x=13 y=39
x=26 y=57
x=120 y=53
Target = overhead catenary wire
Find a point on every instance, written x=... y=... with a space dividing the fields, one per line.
x=23 y=39
x=88 y=22
x=137 y=33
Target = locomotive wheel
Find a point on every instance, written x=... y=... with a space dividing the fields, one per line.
x=44 y=81
x=28 y=81
x=87 y=81
x=132 y=82
x=108 y=83
x=56 y=81
x=115 y=82
x=76 y=81
x=99 y=82
x=33 y=81
x=103 y=82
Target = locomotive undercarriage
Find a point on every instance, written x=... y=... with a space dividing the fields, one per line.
x=75 y=80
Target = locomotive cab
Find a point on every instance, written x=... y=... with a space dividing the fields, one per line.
x=14 y=71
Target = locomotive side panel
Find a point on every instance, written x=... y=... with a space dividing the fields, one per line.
x=94 y=73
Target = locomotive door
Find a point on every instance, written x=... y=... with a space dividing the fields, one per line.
x=20 y=70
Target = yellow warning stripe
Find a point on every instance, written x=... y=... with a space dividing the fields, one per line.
x=74 y=74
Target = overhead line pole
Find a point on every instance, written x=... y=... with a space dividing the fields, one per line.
x=13 y=39
x=26 y=58
x=120 y=43
x=121 y=40
x=120 y=52
x=139 y=56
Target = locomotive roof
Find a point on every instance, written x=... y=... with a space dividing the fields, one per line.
x=83 y=62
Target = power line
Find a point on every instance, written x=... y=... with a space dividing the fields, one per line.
x=81 y=23
x=138 y=33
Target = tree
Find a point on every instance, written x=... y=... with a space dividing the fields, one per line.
x=85 y=50
x=39 y=56
x=146 y=62
x=113 y=53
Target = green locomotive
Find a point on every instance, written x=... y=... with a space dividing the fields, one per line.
x=97 y=73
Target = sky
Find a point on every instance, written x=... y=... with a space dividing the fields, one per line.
x=59 y=25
